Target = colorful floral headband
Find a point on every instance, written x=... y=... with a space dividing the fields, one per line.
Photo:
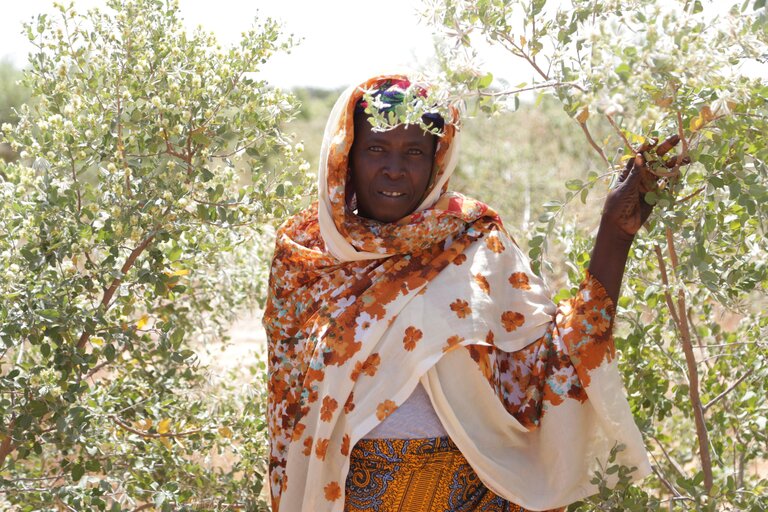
x=390 y=94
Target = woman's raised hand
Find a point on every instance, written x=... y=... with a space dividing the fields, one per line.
x=625 y=208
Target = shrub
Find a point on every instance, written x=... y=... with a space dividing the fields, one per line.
x=152 y=165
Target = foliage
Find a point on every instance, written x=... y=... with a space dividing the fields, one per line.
x=690 y=332
x=152 y=165
x=12 y=96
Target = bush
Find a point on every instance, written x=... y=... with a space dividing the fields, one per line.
x=152 y=166
x=691 y=329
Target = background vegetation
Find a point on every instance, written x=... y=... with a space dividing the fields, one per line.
x=137 y=222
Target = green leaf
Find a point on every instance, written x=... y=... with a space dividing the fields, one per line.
x=77 y=472
x=109 y=352
x=574 y=184
x=623 y=70
x=38 y=408
x=485 y=81
x=198 y=137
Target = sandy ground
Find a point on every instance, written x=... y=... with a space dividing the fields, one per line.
x=247 y=338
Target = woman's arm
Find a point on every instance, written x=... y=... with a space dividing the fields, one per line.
x=624 y=213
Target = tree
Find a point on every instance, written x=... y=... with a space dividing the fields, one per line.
x=152 y=165
x=691 y=332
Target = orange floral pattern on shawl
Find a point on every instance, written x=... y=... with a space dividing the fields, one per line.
x=317 y=309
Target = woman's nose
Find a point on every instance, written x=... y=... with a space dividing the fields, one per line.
x=395 y=168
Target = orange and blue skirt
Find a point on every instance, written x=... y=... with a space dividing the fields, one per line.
x=416 y=475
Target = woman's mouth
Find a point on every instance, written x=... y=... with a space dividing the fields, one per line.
x=389 y=193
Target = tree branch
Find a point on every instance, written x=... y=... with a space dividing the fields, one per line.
x=592 y=142
x=132 y=430
x=693 y=374
x=729 y=389
x=521 y=53
x=665 y=282
x=620 y=134
x=116 y=282
x=531 y=88
x=7 y=446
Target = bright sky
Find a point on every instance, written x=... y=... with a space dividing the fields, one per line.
x=344 y=41
x=338 y=41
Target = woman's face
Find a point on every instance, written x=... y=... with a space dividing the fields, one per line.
x=390 y=170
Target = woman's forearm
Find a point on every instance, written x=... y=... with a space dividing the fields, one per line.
x=609 y=257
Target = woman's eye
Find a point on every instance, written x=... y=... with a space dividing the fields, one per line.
x=415 y=151
x=375 y=149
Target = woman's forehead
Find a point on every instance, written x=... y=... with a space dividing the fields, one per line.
x=407 y=132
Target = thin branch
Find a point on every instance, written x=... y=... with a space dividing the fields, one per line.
x=116 y=282
x=692 y=195
x=666 y=482
x=532 y=88
x=521 y=53
x=76 y=183
x=132 y=430
x=621 y=134
x=728 y=390
x=693 y=374
x=665 y=282
x=669 y=458
x=592 y=142
x=225 y=205
x=97 y=368
x=720 y=345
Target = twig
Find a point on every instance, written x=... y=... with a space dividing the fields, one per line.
x=532 y=88
x=521 y=53
x=96 y=369
x=132 y=430
x=665 y=282
x=669 y=458
x=728 y=390
x=666 y=482
x=593 y=143
x=116 y=282
x=720 y=345
x=621 y=134
x=224 y=205
x=692 y=194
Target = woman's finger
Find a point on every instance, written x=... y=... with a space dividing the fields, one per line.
x=632 y=173
x=668 y=144
x=671 y=162
x=631 y=164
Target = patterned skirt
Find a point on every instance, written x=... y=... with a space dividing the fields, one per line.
x=416 y=475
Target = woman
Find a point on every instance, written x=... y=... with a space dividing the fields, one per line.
x=416 y=363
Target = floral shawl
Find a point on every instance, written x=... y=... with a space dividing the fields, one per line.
x=359 y=312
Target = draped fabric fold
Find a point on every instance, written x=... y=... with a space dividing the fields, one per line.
x=360 y=311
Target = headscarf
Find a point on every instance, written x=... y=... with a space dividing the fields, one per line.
x=352 y=238
x=359 y=312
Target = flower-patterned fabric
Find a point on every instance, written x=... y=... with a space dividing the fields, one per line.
x=359 y=312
